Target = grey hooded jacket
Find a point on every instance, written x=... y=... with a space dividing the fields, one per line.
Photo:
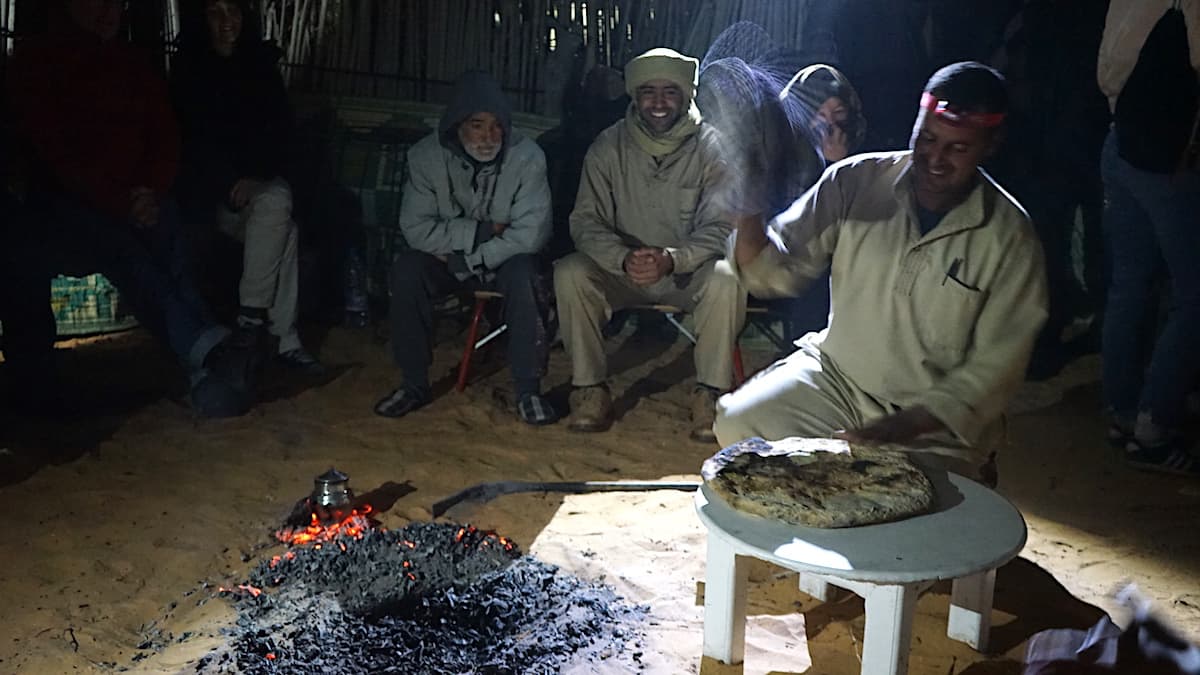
x=448 y=195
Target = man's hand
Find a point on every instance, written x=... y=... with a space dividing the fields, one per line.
x=751 y=237
x=900 y=427
x=646 y=266
x=242 y=191
x=499 y=228
x=143 y=207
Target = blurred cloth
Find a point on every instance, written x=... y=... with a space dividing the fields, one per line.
x=1147 y=647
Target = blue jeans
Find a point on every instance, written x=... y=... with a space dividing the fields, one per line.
x=149 y=266
x=1150 y=219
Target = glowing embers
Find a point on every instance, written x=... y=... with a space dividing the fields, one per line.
x=334 y=524
x=469 y=535
x=240 y=589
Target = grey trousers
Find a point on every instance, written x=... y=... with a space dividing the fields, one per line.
x=587 y=297
x=806 y=395
x=270 y=262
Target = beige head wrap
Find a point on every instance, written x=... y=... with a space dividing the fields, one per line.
x=665 y=64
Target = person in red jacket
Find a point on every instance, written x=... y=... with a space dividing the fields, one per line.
x=96 y=124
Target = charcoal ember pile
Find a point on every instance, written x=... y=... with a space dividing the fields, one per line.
x=429 y=598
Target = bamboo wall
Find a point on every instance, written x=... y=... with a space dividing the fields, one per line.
x=414 y=49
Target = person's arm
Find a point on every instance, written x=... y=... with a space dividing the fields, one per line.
x=711 y=225
x=1126 y=28
x=977 y=392
x=781 y=258
x=594 y=215
x=424 y=228
x=529 y=226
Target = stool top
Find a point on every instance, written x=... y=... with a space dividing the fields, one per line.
x=973 y=529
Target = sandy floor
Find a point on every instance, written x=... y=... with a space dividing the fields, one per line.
x=120 y=525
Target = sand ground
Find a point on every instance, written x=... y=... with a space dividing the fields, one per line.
x=120 y=524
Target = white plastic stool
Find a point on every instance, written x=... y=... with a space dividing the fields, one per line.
x=973 y=531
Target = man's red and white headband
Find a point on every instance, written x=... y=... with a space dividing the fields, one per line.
x=944 y=111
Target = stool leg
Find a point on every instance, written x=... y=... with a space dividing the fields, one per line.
x=725 y=577
x=971 y=609
x=464 y=368
x=888 y=633
x=739 y=371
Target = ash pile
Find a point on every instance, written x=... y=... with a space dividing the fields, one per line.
x=429 y=598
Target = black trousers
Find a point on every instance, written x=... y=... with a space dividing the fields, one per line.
x=418 y=278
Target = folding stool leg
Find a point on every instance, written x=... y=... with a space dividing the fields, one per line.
x=739 y=371
x=464 y=368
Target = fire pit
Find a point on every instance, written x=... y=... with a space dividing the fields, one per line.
x=350 y=597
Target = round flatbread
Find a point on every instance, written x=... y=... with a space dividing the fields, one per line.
x=819 y=482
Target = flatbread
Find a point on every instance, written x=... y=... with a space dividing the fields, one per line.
x=818 y=482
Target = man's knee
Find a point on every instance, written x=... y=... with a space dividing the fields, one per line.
x=519 y=270
x=573 y=273
x=723 y=284
x=733 y=420
x=275 y=196
x=408 y=272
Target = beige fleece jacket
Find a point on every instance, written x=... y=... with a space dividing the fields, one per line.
x=627 y=200
x=946 y=320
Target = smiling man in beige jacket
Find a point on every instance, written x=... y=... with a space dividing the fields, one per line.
x=649 y=228
x=938 y=291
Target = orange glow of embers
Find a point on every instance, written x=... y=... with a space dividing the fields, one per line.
x=318 y=530
x=243 y=588
x=488 y=538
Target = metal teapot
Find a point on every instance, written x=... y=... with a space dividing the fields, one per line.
x=331 y=490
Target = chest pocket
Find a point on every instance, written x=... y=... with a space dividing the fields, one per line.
x=689 y=201
x=948 y=310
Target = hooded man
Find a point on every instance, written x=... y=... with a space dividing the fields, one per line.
x=648 y=227
x=475 y=212
x=938 y=287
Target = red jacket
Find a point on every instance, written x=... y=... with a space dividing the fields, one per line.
x=95 y=116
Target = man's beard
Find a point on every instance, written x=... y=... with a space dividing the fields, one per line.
x=481 y=152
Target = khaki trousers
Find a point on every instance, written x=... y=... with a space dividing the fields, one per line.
x=587 y=297
x=270 y=261
x=806 y=395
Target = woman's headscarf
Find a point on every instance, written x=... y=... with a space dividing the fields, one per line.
x=815 y=84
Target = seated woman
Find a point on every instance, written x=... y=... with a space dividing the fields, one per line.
x=236 y=125
x=827 y=117
x=777 y=138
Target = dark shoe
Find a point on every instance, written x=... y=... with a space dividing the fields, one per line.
x=591 y=409
x=1171 y=457
x=534 y=409
x=299 y=359
x=211 y=396
x=402 y=401
x=234 y=363
x=704 y=413
x=251 y=336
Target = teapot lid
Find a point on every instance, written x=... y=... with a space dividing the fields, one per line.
x=331 y=477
